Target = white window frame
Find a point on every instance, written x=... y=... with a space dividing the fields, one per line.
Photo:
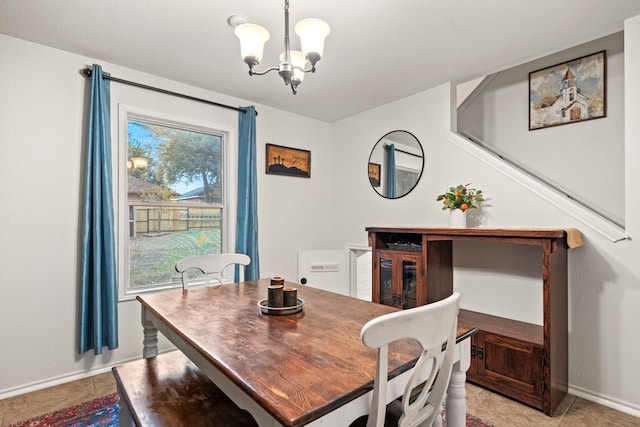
x=119 y=167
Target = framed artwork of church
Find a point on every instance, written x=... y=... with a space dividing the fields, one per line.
x=570 y=92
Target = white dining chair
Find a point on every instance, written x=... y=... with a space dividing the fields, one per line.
x=434 y=327
x=211 y=266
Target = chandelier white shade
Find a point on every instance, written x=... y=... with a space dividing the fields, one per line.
x=312 y=33
x=293 y=64
x=252 y=39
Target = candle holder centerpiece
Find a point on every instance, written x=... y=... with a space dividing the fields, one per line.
x=281 y=300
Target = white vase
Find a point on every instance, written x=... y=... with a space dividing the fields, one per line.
x=457 y=218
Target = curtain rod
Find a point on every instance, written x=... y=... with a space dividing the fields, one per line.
x=386 y=147
x=87 y=73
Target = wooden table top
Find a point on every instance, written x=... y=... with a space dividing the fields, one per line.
x=298 y=367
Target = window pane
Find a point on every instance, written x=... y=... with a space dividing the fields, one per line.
x=175 y=199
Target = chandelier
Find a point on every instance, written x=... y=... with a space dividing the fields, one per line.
x=293 y=63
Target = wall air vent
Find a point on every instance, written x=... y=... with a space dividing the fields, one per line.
x=329 y=267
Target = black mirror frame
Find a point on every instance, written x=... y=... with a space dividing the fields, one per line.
x=421 y=168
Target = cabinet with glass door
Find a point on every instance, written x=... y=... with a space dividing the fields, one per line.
x=400 y=273
x=396 y=275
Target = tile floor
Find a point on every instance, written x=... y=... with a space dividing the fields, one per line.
x=572 y=412
x=25 y=406
x=491 y=407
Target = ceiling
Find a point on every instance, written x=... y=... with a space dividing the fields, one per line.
x=378 y=50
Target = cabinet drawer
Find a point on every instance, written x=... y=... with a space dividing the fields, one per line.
x=509 y=366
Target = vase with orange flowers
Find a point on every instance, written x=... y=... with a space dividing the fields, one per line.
x=458 y=200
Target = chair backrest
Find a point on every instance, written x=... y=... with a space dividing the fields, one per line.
x=211 y=265
x=434 y=327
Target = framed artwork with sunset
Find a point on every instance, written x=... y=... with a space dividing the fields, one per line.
x=288 y=161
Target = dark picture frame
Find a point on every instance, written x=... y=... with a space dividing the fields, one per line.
x=569 y=92
x=374 y=174
x=287 y=161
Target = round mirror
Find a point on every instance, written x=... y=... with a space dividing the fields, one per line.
x=395 y=164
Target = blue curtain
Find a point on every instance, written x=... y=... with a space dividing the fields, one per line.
x=247 y=220
x=98 y=292
x=391 y=171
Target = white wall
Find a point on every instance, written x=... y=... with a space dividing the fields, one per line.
x=355 y=202
x=42 y=112
x=294 y=213
x=499 y=116
x=604 y=279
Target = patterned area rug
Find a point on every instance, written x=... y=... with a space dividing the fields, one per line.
x=472 y=421
x=101 y=412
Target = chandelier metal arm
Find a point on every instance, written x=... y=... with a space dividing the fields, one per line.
x=311 y=69
x=262 y=73
x=293 y=67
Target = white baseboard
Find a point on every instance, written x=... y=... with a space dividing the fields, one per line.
x=63 y=379
x=54 y=381
x=618 y=405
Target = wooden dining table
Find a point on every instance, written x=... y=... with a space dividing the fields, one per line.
x=305 y=368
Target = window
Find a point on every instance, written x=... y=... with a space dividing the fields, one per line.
x=175 y=199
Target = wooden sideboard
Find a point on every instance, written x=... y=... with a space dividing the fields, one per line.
x=413 y=266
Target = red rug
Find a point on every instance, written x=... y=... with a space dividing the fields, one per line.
x=101 y=412
x=471 y=421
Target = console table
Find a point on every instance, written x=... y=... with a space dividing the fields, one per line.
x=413 y=266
